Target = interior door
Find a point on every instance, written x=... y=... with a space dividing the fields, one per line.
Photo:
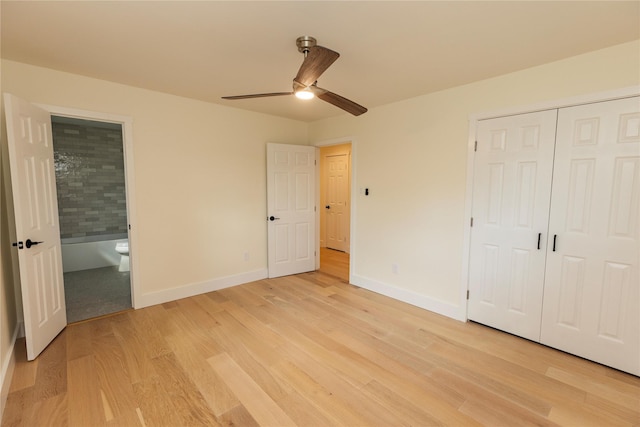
x=37 y=226
x=291 y=209
x=337 y=197
x=592 y=292
x=511 y=194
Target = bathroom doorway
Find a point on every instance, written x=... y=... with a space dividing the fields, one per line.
x=335 y=209
x=92 y=207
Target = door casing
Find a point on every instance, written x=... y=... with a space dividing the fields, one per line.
x=127 y=140
x=352 y=199
x=324 y=158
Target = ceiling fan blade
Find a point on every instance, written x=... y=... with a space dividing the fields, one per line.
x=258 y=95
x=341 y=102
x=316 y=62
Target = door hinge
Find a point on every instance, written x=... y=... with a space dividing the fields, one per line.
x=475 y=146
x=472 y=221
x=467 y=293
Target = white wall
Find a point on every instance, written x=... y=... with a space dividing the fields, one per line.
x=199 y=178
x=412 y=157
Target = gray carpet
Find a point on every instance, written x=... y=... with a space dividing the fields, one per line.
x=96 y=292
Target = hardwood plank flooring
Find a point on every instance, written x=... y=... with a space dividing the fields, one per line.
x=308 y=350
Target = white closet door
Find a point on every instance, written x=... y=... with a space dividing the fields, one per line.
x=591 y=297
x=511 y=192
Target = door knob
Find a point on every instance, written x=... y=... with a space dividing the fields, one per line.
x=272 y=218
x=30 y=243
x=328 y=207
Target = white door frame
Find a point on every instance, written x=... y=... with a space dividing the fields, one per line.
x=353 y=198
x=127 y=135
x=473 y=123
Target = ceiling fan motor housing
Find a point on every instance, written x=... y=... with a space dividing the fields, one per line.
x=305 y=43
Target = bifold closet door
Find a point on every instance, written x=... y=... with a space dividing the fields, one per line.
x=592 y=286
x=511 y=193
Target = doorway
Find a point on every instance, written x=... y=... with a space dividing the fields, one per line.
x=92 y=209
x=335 y=209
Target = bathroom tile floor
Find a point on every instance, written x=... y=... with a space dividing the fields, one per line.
x=96 y=292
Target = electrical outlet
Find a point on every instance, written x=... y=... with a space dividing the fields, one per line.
x=246 y=256
x=394 y=268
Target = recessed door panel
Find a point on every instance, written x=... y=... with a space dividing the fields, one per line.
x=494 y=204
x=281 y=191
x=614 y=291
x=579 y=193
x=489 y=274
x=625 y=198
x=526 y=192
x=303 y=197
x=520 y=272
x=571 y=288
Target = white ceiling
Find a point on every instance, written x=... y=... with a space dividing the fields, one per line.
x=390 y=50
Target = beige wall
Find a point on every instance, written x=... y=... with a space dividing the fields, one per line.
x=199 y=176
x=412 y=155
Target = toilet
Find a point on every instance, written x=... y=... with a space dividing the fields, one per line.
x=123 y=249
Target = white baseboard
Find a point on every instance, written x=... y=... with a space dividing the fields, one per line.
x=7 y=370
x=410 y=297
x=173 y=294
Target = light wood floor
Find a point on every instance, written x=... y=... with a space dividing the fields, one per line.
x=335 y=263
x=307 y=350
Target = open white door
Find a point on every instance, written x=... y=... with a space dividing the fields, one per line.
x=290 y=209
x=37 y=226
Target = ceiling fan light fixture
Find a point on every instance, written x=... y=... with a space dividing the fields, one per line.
x=305 y=94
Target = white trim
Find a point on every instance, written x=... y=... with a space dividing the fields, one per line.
x=353 y=200
x=437 y=306
x=466 y=219
x=319 y=242
x=127 y=141
x=610 y=95
x=173 y=294
x=8 y=367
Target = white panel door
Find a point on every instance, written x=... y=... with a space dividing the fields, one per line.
x=37 y=226
x=290 y=209
x=337 y=202
x=511 y=194
x=592 y=290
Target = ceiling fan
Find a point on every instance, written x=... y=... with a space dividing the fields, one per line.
x=316 y=61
